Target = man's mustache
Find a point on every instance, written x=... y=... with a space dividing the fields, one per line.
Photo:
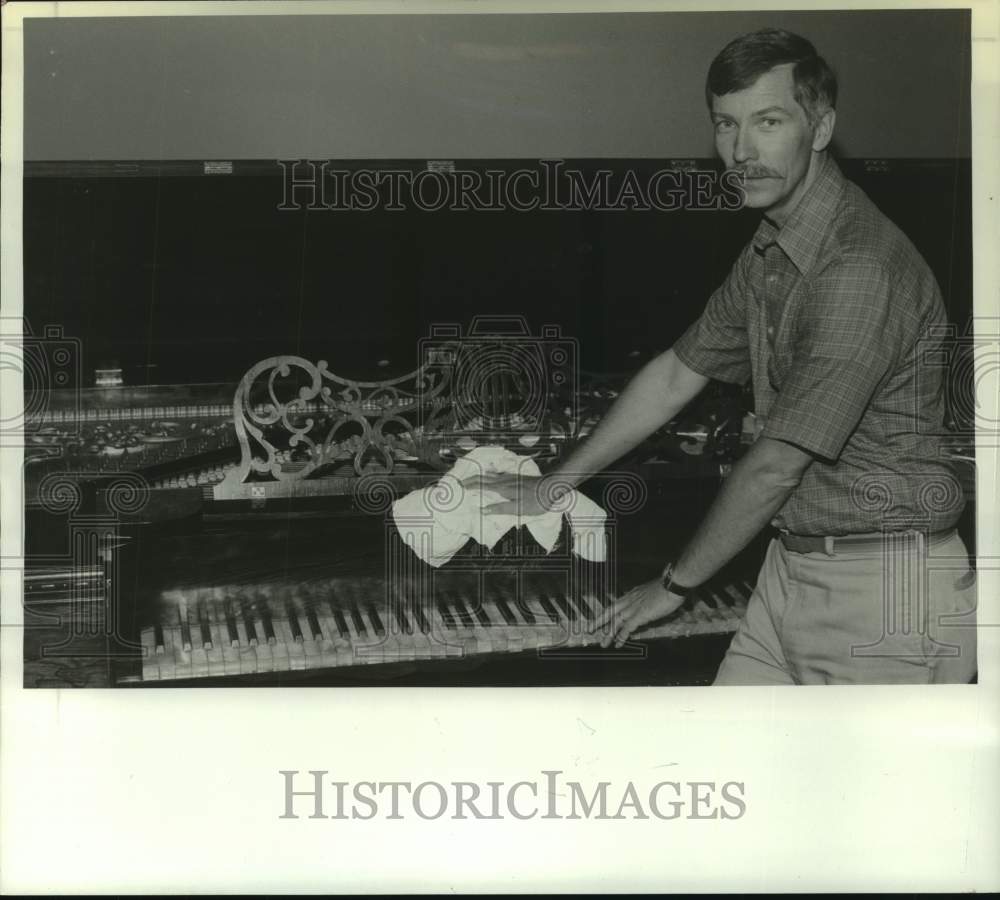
x=756 y=173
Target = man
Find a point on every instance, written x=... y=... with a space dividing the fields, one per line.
x=828 y=310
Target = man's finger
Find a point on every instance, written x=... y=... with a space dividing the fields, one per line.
x=611 y=612
x=626 y=627
x=603 y=620
x=610 y=621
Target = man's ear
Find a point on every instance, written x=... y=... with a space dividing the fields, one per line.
x=823 y=133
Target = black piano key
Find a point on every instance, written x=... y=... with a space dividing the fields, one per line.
x=314 y=627
x=248 y=623
x=158 y=637
x=202 y=618
x=341 y=623
x=185 y=629
x=231 y=631
x=583 y=606
x=422 y=623
x=718 y=596
x=567 y=604
x=705 y=602
x=446 y=615
x=550 y=610
x=463 y=614
x=726 y=599
x=739 y=593
x=401 y=619
x=206 y=632
x=338 y=617
x=293 y=623
x=268 y=625
x=525 y=611
x=702 y=594
x=376 y=619
x=505 y=611
x=359 y=623
x=484 y=619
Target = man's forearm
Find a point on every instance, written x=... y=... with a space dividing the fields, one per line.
x=653 y=397
x=750 y=497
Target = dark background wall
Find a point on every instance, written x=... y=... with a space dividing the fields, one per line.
x=468 y=86
x=196 y=278
x=186 y=278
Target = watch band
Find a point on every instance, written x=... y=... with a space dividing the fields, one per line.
x=667 y=580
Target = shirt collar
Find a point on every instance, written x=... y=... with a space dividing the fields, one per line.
x=802 y=236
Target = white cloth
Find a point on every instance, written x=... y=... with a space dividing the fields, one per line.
x=438 y=520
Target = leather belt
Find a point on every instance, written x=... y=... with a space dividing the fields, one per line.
x=830 y=545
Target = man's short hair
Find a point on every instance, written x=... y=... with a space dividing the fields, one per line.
x=743 y=60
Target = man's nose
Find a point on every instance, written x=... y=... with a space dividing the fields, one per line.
x=744 y=148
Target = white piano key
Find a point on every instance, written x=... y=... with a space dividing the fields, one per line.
x=328 y=656
x=286 y=647
x=265 y=646
x=191 y=629
x=494 y=632
x=332 y=643
x=246 y=654
x=411 y=646
x=150 y=658
x=549 y=633
x=522 y=635
x=343 y=643
x=296 y=643
x=178 y=653
x=312 y=651
x=466 y=636
x=443 y=642
x=279 y=652
x=370 y=643
x=199 y=661
x=230 y=654
x=216 y=659
x=366 y=642
x=393 y=644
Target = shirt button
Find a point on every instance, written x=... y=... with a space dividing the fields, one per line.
x=770 y=331
x=772 y=279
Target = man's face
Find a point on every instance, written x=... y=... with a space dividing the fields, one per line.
x=762 y=132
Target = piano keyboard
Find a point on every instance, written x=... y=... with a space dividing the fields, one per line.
x=231 y=630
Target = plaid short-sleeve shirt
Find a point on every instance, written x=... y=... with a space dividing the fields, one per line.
x=833 y=316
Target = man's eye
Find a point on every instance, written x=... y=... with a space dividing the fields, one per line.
x=723 y=126
x=770 y=123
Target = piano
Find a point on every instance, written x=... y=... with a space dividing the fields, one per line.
x=241 y=533
x=141 y=495
x=309 y=599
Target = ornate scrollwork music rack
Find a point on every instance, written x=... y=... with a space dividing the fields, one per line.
x=304 y=430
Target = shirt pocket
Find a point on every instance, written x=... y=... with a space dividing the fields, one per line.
x=779 y=332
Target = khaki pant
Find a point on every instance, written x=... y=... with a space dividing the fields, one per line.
x=903 y=612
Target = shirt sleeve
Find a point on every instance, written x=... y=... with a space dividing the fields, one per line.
x=844 y=346
x=717 y=345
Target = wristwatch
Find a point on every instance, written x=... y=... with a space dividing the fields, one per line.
x=667 y=580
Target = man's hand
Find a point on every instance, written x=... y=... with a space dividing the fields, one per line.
x=524 y=495
x=643 y=604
